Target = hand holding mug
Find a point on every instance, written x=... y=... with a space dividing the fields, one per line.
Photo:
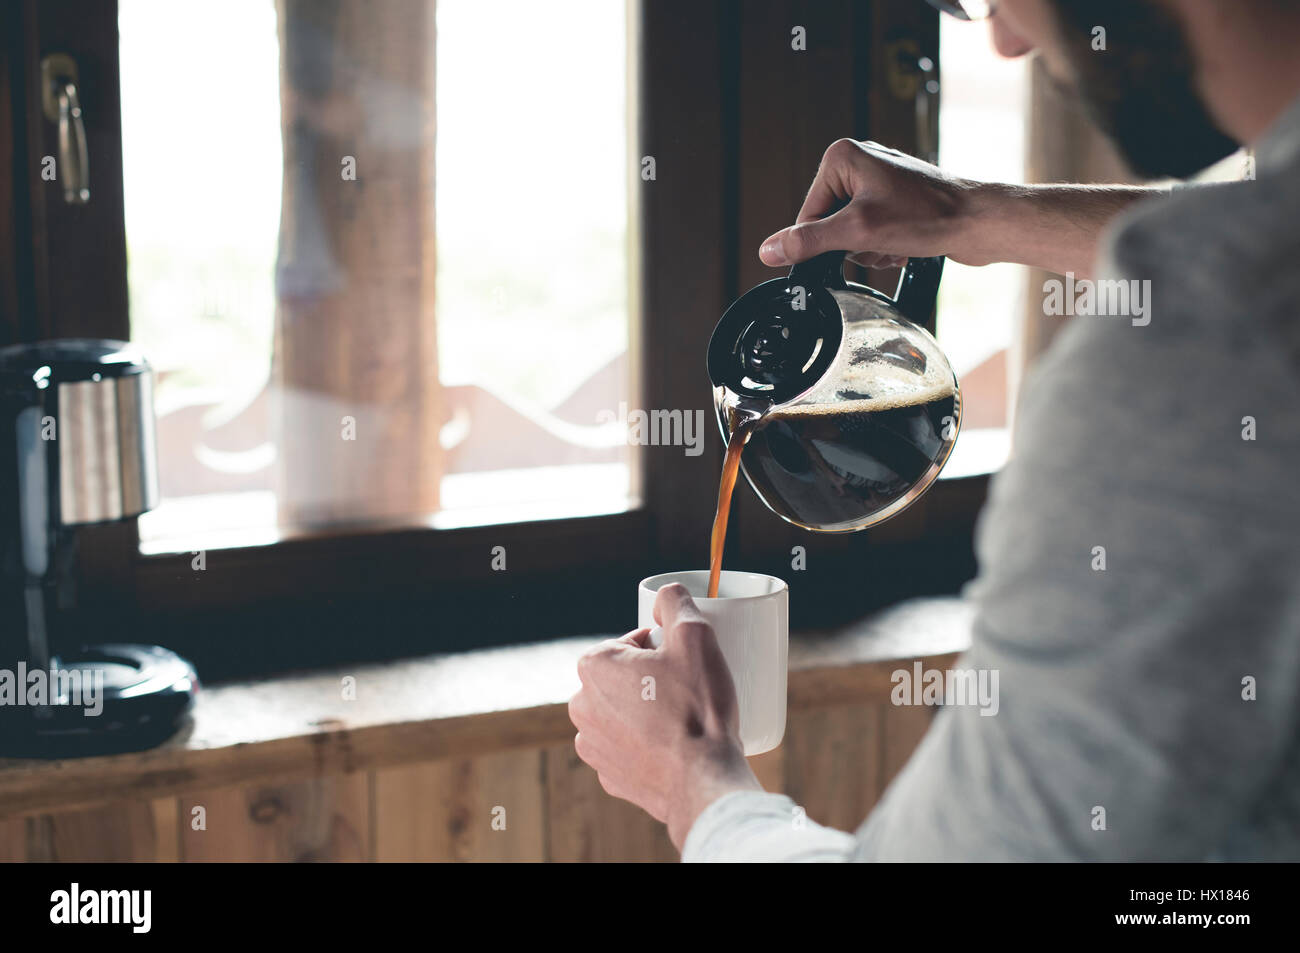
x=660 y=720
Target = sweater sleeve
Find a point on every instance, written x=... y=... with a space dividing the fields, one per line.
x=753 y=827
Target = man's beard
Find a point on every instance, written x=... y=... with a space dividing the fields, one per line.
x=1141 y=90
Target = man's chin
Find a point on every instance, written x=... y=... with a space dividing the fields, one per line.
x=1152 y=147
x=1155 y=149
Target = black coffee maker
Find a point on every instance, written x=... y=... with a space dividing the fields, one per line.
x=76 y=448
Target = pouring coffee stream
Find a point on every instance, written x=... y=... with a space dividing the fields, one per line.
x=838 y=408
x=740 y=424
x=730 y=470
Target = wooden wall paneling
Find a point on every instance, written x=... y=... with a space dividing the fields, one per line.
x=13 y=839
x=445 y=810
x=832 y=763
x=324 y=819
x=902 y=728
x=769 y=768
x=835 y=762
x=38 y=845
x=122 y=831
x=585 y=824
x=167 y=829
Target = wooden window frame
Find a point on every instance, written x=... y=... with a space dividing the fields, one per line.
x=707 y=97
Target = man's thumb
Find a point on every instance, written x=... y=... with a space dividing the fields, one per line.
x=674 y=604
x=809 y=239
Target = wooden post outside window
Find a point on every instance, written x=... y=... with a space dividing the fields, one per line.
x=355 y=371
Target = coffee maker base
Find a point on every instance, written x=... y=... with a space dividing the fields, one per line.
x=100 y=700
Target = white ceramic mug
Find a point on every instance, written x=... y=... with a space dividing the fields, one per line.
x=751 y=620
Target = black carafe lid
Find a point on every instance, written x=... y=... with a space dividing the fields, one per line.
x=779 y=338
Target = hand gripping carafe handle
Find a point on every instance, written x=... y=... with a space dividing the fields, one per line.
x=917 y=288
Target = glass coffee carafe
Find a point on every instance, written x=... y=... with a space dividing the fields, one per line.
x=847 y=407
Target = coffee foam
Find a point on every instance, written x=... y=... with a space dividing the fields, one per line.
x=815 y=407
x=889 y=386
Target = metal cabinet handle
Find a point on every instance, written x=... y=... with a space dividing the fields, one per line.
x=62 y=106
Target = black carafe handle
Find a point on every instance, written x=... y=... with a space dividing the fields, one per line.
x=917 y=289
x=824 y=271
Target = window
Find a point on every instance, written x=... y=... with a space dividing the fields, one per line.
x=390 y=349
x=982 y=136
x=382 y=268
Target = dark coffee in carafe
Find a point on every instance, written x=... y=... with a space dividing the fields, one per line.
x=825 y=466
x=840 y=465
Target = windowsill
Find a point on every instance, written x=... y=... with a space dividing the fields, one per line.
x=196 y=524
x=453 y=705
x=236 y=520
